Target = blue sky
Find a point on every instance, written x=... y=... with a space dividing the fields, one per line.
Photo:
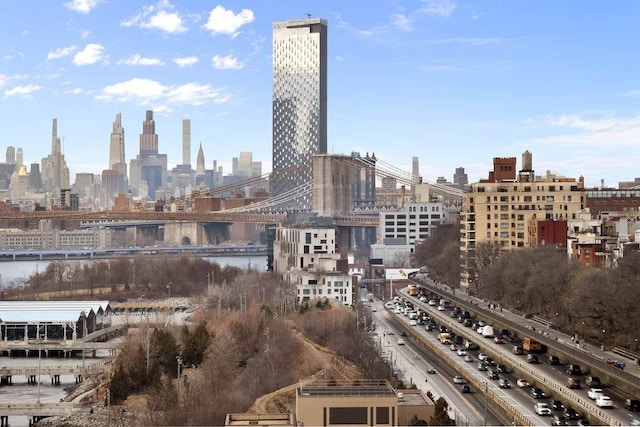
x=455 y=83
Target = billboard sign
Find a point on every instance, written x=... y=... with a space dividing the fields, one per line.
x=399 y=273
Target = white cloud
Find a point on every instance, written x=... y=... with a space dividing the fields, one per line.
x=437 y=7
x=368 y=32
x=196 y=94
x=186 y=61
x=137 y=59
x=77 y=91
x=61 y=52
x=91 y=54
x=84 y=34
x=470 y=41
x=339 y=58
x=224 y=21
x=81 y=6
x=160 y=17
x=602 y=132
x=24 y=91
x=3 y=79
x=228 y=62
x=402 y=22
x=147 y=92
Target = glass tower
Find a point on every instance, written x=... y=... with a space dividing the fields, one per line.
x=299 y=105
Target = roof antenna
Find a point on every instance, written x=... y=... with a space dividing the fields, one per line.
x=308 y=16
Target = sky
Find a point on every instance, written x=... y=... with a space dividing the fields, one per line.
x=455 y=83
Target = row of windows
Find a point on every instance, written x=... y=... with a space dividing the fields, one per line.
x=318 y=291
x=525 y=188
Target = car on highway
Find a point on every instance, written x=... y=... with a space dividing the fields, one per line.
x=441 y=308
x=573 y=382
x=468 y=358
x=413 y=322
x=522 y=382
x=537 y=393
x=584 y=422
x=502 y=368
x=490 y=362
x=557 y=405
x=593 y=381
x=554 y=360
x=390 y=332
x=400 y=341
x=482 y=366
x=542 y=409
x=498 y=339
x=570 y=413
x=465 y=388
x=461 y=352
x=482 y=356
x=594 y=393
x=458 y=380
x=532 y=358
x=432 y=302
x=504 y=383
x=558 y=420
x=632 y=404
x=492 y=374
x=431 y=370
x=604 y=402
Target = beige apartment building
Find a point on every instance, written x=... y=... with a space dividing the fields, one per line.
x=361 y=403
x=499 y=208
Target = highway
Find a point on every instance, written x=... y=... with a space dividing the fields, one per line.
x=413 y=361
x=551 y=378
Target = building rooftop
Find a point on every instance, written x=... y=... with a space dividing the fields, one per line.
x=260 y=420
x=347 y=388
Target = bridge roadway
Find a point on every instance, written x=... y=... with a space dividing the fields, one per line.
x=227 y=250
x=150 y=217
x=533 y=372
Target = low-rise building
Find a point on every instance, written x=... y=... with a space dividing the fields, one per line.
x=360 y=403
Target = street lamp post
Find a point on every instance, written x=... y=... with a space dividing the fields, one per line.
x=179 y=360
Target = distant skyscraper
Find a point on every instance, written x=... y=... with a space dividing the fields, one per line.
x=35 y=179
x=117 y=163
x=148 y=137
x=460 y=178
x=299 y=122
x=11 y=155
x=19 y=157
x=55 y=173
x=200 y=162
x=116 y=145
x=149 y=168
x=415 y=167
x=186 y=142
x=245 y=164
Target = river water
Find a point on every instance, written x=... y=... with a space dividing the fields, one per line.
x=17 y=272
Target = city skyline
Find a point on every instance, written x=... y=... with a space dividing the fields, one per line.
x=454 y=84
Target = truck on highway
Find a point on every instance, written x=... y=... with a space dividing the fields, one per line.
x=487 y=331
x=532 y=346
x=445 y=338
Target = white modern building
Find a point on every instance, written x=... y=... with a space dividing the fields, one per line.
x=307 y=259
x=399 y=229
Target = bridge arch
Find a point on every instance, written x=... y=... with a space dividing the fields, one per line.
x=185 y=241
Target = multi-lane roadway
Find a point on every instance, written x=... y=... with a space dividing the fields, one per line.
x=551 y=378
